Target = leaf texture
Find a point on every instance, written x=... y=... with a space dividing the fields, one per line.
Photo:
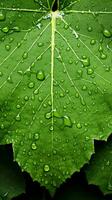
x=55 y=84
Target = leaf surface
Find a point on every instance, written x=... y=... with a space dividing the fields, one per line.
x=99 y=171
x=55 y=84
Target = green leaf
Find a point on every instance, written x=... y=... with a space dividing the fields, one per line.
x=11 y=180
x=55 y=85
x=99 y=171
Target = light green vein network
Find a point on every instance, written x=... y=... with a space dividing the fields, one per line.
x=55 y=84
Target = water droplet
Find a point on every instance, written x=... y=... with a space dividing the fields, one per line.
x=86 y=62
x=90 y=71
x=25 y=55
x=18 y=106
x=40 y=44
x=2 y=16
x=107 y=33
x=48 y=115
x=40 y=75
x=79 y=126
x=67 y=121
x=31 y=85
x=51 y=128
x=5 y=29
x=103 y=56
x=26 y=98
x=84 y=87
x=36 y=136
x=18 y=118
x=90 y=29
x=34 y=147
x=92 y=42
x=36 y=91
x=7 y=47
x=46 y=168
x=2 y=126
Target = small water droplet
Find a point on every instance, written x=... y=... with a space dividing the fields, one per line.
x=92 y=42
x=40 y=75
x=2 y=16
x=103 y=56
x=31 y=85
x=79 y=126
x=36 y=136
x=7 y=47
x=34 y=147
x=90 y=71
x=18 y=106
x=18 y=118
x=40 y=44
x=46 y=168
x=48 y=115
x=26 y=98
x=107 y=33
x=25 y=55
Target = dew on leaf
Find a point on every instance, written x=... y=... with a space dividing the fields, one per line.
x=40 y=75
x=90 y=29
x=79 y=126
x=18 y=106
x=36 y=136
x=2 y=16
x=107 y=33
x=100 y=49
x=5 y=29
x=46 y=168
x=92 y=42
x=48 y=115
x=31 y=85
x=25 y=55
x=26 y=98
x=67 y=121
x=36 y=91
x=40 y=44
x=51 y=128
x=2 y=126
x=33 y=146
x=103 y=56
x=18 y=118
x=9 y=79
x=90 y=71
x=86 y=62
x=7 y=47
